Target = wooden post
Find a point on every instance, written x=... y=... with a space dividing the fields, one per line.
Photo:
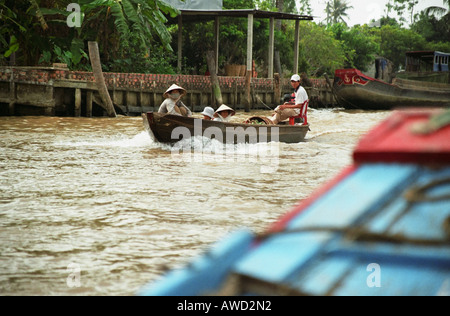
x=12 y=94
x=277 y=88
x=217 y=41
x=248 y=90
x=296 y=45
x=127 y=97
x=271 y=47
x=140 y=101
x=191 y=102
x=12 y=108
x=248 y=77
x=89 y=103
x=50 y=95
x=180 y=42
x=155 y=106
x=77 y=103
x=250 y=43
x=235 y=94
x=217 y=93
x=330 y=85
x=114 y=94
x=99 y=79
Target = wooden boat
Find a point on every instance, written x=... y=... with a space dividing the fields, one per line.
x=354 y=90
x=166 y=128
x=426 y=66
x=381 y=227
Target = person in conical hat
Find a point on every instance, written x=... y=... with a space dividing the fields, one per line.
x=174 y=89
x=172 y=104
x=224 y=113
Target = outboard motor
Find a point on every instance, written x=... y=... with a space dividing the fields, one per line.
x=289 y=98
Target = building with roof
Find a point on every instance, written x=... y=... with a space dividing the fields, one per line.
x=206 y=10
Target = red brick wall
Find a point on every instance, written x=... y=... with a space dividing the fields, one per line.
x=146 y=82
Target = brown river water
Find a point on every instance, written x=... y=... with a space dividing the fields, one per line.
x=93 y=206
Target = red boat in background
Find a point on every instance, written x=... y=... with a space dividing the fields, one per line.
x=355 y=90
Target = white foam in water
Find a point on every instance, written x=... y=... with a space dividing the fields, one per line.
x=140 y=140
x=201 y=144
x=203 y=149
x=312 y=136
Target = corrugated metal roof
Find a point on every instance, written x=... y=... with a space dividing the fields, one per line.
x=258 y=14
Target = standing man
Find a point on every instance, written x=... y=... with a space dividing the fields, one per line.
x=289 y=109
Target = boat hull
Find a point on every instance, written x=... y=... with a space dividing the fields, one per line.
x=166 y=128
x=381 y=227
x=354 y=90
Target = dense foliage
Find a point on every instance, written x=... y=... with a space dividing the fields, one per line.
x=134 y=36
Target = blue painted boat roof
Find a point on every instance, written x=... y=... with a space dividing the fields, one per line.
x=342 y=235
x=328 y=248
x=380 y=228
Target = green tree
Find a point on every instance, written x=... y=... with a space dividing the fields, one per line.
x=305 y=7
x=359 y=45
x=404 y=7
x=336 y=11
x=122 y=28
x=428 y=26
x=199 y=37
x=396 y=41
x=288 y=6
x=436 y=22
x=439 y=11
x=389 y=21
x=320 y=52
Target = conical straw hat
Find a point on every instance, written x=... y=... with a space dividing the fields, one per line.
x=224 y=107
x=175 y=87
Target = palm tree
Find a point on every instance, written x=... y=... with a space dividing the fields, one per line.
x=438 y=10
x=336 y=11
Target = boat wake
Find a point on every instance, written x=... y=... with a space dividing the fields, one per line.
x=325 y=133
x=201 y=144
x=206 y=150
x=139 y=140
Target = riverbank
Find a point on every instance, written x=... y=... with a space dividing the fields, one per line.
x=57 y=91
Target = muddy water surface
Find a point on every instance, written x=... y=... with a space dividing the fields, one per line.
x=93 y=206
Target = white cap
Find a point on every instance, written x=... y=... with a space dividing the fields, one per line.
x=208 y=111
x=295 y=78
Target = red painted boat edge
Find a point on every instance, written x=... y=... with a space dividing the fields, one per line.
x=393 y=141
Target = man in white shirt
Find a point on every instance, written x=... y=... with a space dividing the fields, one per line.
x=287 y=110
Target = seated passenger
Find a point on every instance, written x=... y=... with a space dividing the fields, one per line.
x=224 y=113
x=172 y=104
x=208 y=113
x=289 y=109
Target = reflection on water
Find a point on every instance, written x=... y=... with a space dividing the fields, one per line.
x=101 y=196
